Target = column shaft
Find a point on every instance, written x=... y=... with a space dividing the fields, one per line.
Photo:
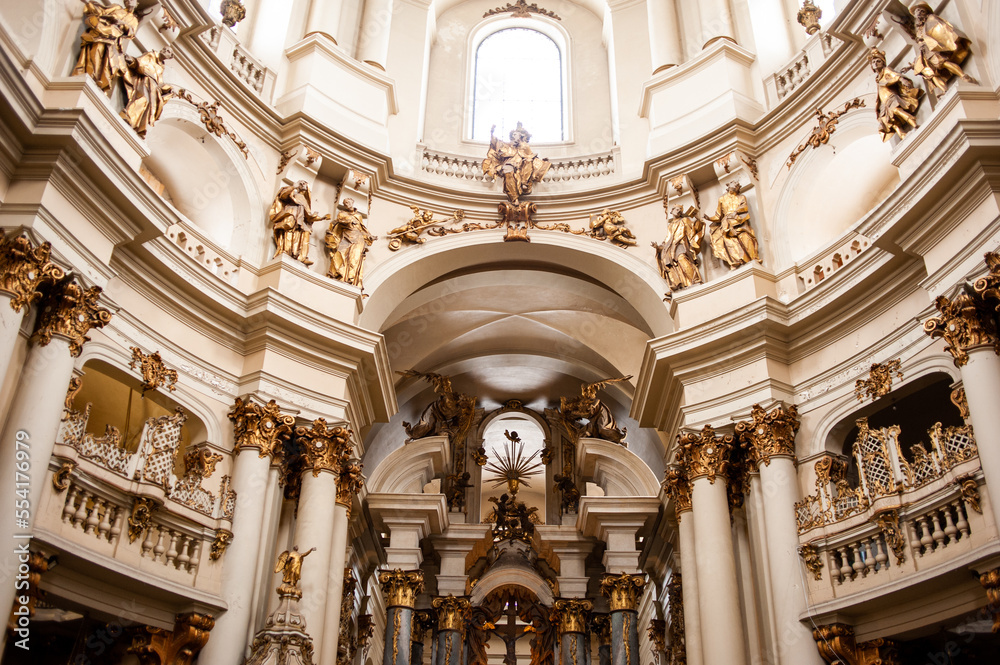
x=398 y=627
x=624 y=638
x=335 y=591
x=324 y=18
x=604 y=654
x=716 y=20
x=981 y=379
x=10 y=326
x=376 y=23
x=314 y=528
x=573 y=649
x=449 y=647
x=692 y=613
x=664 y=34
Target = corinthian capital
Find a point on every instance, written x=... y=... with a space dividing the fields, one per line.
x=623 y=591
x=71 y=311
x=451 y=612
x=571 y=614
x=260 y=427
x=678 y=488
x=325 y=448
x=705 y=454
x=401 y=586
x=349 y=482
x=965 y=322
x=770 y=433
x=988 y=287
x=24 y=269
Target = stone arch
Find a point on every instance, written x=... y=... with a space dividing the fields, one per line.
x=497 y=578
x=408 y=468
x=616 y=469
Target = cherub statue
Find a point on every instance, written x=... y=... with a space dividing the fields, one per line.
x=941 y=49
x=102 y=44
x=733 y=240
x=898 y=98
x=347 y=242
x=456 y=490
x=451 y=414
x=292 y=218
x=515 y=162
x=600 y=423
x=677 y=256
x=610 y=225
x=570 y=494
x=290 y=566
x=145 y=89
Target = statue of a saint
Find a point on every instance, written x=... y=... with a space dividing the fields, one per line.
x=290 y=566
x=145 y=89
x=898 y=98
x=347 y=242
x=515 y=162
x=733 y=240
x=610 y=225
x=941 y=49
x=102 y=48
x=677 y=256
x=292 y=218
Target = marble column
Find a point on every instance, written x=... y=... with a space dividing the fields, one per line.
x=706 y=463
x=664 y=34
x=324 y=18
x=716 y=21
x=401 y=588
x=376 y=23
x=65 y=316
x=600 y=625
x=623 y=593
x=452 y=613
x=679 y=489
x=571 y=617
x=771 y=437
x=257 y=430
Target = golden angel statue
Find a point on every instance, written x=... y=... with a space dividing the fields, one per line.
x=450 y=414
x=898 y=98
x=587 y=415
x=292 y=217
x=145 y=89
x=733 y=240
x=102 y=48
x=347 y=242
x=515 y=162
x=677 y=255
x=941 y=49
x=290 y=566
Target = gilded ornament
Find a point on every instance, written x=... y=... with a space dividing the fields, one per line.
x=836 y=643
x=678 y=488
x=513 y=468
x=423 y=220
x=260 y=427
x=145 y=90
x=458 y=485
x=988 y=287
x=898 y=99
x=452 y=612
x=75 y=385
x=656 y=632
x=223 y=538
x=26 y=270
x=521 y=9
x=365 y=632
x=347 y=242
x=451 y=415
x=965 y=322
x=102 y=44
x=706 y=455
x=142 y=515
x=291 y=217
x=879 y=381
x=809 y=16
x=941 y=49
x=325 y=448
x=970 y=492
x=512 y=519
x=732 y=238
x=675 y=604
x=349 y=483
x=990 y=581
x=827 y=125
x=677 y=255
x=888 y=523
x=60 y=479
x=232 y=12
x=401 y=587
x=623 y=591
x=209 y=114
x=610 y=226
x=770 y=434
x=811 y=558
x=600 y=625
x=289 y=564
x=154 y=372
x=515 y=162
x=70 y=311
x=571 y=614
x=169 y=24
x=564 y=482
x=961 y=403
x=156 y=646
x=588 y=415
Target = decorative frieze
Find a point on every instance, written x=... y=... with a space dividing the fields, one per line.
x=706 y=455
x=452 y=612
x=623 y=591
x=571 y=614
x=401 y=587
x=770 y=434
x=70 y=311
x=25 y=270
x=260 y=427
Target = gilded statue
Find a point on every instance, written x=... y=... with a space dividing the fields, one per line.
x=897 y=101
x=145 y=89
x=450 y=414
x=588 y=416
x=941 y=49
x=292 y=217
x=457 y=486
x=677 y=255
x=515 y=162
x=102 y=44
x=610 y=225
x=290 y=566
x=347 y=242
x=733 y=240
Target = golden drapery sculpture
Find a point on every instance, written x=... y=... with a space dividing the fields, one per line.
x=347 y=242
x=897 y=101
x=610 y=225
x=292 y=217
x=145 y=89
x=677 y=255
x=102 y=50
x=515 y=162
x=733 y=240
x=941 y=49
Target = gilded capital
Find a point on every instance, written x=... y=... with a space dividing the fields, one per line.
x=988 y=287
x=349 y=482
x=25 y=269
x=705 y=454
x=991 y=583
x=401 y=586
x=71 y=311
x=770 y=434
x=678 y=488
x=600 y=625
x=325 y=448
x=571 y=614
x=259 y=427
x=623 y=591
x=451 y=612
x=965 y=322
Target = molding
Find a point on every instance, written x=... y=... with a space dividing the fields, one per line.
x=411 y=466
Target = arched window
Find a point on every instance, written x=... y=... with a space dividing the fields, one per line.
x=519 y=76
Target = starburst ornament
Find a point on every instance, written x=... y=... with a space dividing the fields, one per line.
x=514 y=467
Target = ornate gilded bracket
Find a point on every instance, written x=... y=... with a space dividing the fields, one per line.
x=223 y=538
x=879 y=381
x=209 y=114
x=155 y=646
x=154 y=372
x=811 y=558
x=142 y=514
x=888 y=523
x=60 y=479
x=991 y=583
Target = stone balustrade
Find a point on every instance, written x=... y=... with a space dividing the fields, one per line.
x=561 y=170
x=203 y=252
x=815 y=272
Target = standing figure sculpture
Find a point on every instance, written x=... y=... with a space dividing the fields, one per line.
x=292 y=217
x=102 y=48
x=145 y=89
x=515 y=162
x=897 y=101
x=733 y=240
x=347 y=242
x=290 y=566
x=677 y=256
x=941 y=49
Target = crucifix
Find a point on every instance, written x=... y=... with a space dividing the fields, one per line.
x=510 y=633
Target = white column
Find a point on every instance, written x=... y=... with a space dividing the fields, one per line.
x=376 y=22
x=10 y=326
x=664 y=34
x=324 y=18
x=314 y=528
x=239 y=564
x=29 y=435
x=335 y=590
x=716 y=21
x=981 y=380
x=689 y=589
x=718 y=591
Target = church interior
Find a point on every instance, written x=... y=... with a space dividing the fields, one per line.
x=476 y=332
